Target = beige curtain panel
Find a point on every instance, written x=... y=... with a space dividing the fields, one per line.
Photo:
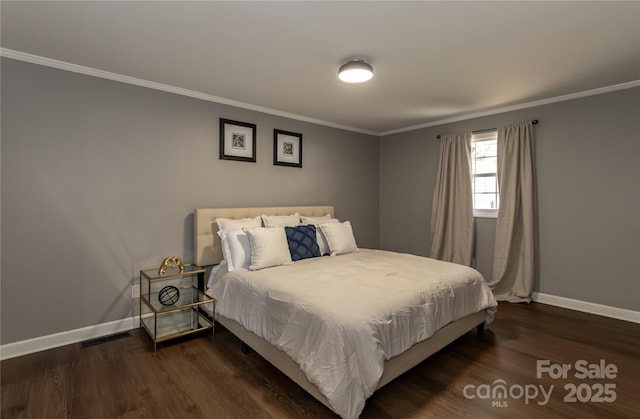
x=513 y=262
x=452 y=211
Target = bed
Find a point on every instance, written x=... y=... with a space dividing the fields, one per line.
x=280 y=299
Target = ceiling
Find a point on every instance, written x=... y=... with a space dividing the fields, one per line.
x=433 y=61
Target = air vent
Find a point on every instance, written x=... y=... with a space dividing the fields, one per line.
x=104 y=339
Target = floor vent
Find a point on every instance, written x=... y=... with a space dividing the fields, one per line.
x=104 y=339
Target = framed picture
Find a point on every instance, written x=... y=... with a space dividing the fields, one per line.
x=237 y=140
x=287 y=148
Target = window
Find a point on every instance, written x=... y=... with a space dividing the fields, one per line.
x=484 y=174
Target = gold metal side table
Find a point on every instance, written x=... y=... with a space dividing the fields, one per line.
x=180 y=311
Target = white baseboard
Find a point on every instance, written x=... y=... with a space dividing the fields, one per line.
x=593 y=308
x=12 y=350
x=24 y=347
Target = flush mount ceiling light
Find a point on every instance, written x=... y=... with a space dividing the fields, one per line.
x=355 y=71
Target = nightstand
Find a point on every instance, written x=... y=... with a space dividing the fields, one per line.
x=171 y=305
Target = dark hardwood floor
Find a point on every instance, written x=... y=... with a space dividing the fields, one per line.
x=209 y=377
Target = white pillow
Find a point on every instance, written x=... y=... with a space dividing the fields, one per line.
x=323 y=244
x=269 y=247
x=340 y=237
x=281 y=220
x=316 y=220
x=233 y=224
x=235 y=249
x=320 y=237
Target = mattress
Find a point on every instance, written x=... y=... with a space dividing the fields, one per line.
x=339 y=318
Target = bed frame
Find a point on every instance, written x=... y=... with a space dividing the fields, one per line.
x=208 y=252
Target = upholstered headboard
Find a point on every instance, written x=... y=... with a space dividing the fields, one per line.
x=208 y=250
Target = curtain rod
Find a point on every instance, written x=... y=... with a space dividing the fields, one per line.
x=534 y=122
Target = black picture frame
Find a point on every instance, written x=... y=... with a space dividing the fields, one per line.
x=237 y=140
x=287 y=148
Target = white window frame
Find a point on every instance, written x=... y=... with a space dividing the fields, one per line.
x=479 y=137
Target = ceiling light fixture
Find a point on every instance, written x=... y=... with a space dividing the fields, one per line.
x=355 y=71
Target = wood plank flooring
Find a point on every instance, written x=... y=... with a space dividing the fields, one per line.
x=209 y=377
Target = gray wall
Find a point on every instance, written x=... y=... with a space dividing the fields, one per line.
x=100 y=178
x=588 y=179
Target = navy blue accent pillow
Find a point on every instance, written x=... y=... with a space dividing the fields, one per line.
x=302 y=242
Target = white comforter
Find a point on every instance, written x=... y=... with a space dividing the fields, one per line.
x=341 y=317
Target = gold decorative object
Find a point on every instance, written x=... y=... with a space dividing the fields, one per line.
x=171 y=262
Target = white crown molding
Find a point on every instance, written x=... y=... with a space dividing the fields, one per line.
x=587 y=307
x=571 y=96
x=62 y=65
x=29 y=346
